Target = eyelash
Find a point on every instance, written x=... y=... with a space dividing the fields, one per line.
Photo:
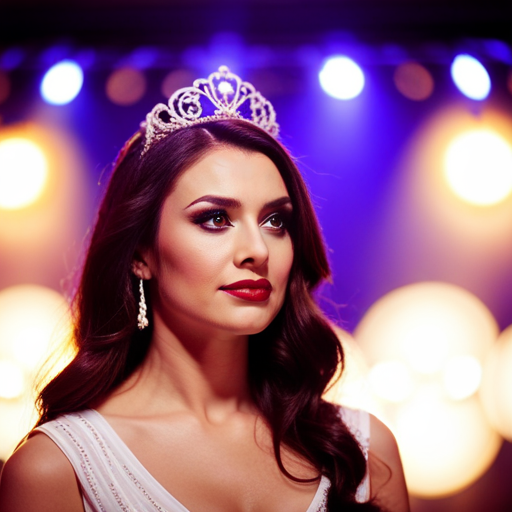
x=208 y=215
x=202 y=218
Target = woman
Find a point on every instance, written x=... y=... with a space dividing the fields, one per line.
x=208 y=396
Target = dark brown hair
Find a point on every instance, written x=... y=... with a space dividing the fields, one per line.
x=290 y=362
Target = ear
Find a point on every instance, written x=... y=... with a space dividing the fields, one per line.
x=140 y=266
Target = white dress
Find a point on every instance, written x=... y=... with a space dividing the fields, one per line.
x=113 y=479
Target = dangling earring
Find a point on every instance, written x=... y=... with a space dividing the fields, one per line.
x=142 y=320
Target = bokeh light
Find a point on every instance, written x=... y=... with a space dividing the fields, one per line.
x=462 y=376
x=176 y=80
x=17 y=417
x=470 y=77
x=445 y=445
x=496 y=389
x=391 y=380
x=23 y=173
x=35 y=327
x=62 y=83
x=11 y=380
x=341 y=78
x=425 y=325
x=425 y=227
x=478 y=167
x=126 y=86
x=425 y=344
x=414 y=81
x=352 y=389
x=32 y=320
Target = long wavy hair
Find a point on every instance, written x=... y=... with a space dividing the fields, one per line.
x=290 y=363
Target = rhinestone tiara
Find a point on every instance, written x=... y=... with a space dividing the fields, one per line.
x=222 y=95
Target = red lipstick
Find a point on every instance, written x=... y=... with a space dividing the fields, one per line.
x=256 y=291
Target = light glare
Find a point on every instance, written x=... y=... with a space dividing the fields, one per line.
x=11 y=380
x=341 y=78
x=444 y=445
x=462 y=376
x=62 y=83
x=352 y=388
x=470 y=77
x=478 y=167
x=23 y=173
x=496 y=391
x=34 y=320
x=425 y=343
x=391 y=380
x=425 y=325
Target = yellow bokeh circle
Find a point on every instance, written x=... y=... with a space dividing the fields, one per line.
x=35 y=329
x=478 y=167
x=426 y=344
x=23 y=173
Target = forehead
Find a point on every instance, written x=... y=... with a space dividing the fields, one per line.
x=231 y=172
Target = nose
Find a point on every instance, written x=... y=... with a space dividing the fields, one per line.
x=251 y=249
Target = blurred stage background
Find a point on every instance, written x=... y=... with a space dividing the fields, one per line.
x=411 y=179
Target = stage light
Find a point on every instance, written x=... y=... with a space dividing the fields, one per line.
x=352 y=389
x=413 y=81
x=425 y=344
x=341 y=78
x=23 y=173
x=62 y=83
x=425 y=325
x=125 y=86
x=11 y=380
x=445 y=445
x=496 y=389
x=478 y=167
x=33 y=321
x=470 y=77
x=17 y=417
x=35 y=329
x=391 y=380
x=462 y=376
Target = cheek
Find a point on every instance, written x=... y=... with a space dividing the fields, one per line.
x=196 y=261
x=283 y=262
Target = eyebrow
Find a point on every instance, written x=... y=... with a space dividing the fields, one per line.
x=228 y=202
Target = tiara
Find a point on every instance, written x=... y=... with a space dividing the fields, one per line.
x=222 y=95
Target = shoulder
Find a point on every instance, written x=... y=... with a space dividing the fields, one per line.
x=387 y=480
x=39 y=477
x=383 y=442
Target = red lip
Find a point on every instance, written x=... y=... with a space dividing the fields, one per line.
x=256 y=291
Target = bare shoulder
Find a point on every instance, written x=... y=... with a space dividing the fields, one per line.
x=387 y=480
x=39 y=477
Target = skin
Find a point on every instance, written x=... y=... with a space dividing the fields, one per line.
x=189 y=399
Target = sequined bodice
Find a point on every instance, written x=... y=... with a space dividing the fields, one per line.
x=112 y=478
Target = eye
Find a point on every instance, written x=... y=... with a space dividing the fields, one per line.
x=275 y=222
x=217 y=221
x=213 y=220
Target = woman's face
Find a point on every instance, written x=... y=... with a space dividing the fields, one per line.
x=223 y=253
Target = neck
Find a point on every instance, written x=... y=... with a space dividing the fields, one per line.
x=202 y=371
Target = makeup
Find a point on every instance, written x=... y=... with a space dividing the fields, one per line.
x=255 y=291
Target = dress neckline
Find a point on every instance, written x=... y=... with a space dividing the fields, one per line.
x=146 y=478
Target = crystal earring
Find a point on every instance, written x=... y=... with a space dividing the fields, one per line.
x=142 y=320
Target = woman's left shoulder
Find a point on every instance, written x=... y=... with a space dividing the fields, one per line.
x=383 y=442
x=387 y=481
